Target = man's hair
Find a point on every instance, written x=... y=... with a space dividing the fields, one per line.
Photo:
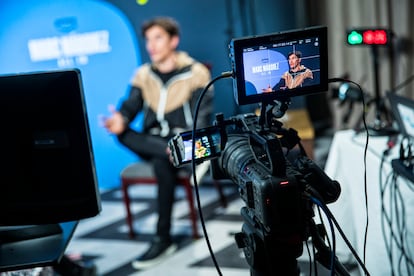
x=169 y=24
x=296 y=53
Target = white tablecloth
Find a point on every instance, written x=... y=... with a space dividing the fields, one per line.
x=345 y=164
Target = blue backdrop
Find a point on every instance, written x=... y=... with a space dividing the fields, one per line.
x=93 y=36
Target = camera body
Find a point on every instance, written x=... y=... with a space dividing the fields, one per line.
x=254 y=151
x=254 y=157
x=250 y=149
x=275 y=189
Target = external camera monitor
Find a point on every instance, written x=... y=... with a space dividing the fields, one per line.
x=280 y=65
x=48 y=172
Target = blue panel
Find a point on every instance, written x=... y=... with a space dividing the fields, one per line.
x=259 y=70
x=93 y=36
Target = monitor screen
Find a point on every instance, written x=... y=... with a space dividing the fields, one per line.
x=48 y=172
x=280 y=65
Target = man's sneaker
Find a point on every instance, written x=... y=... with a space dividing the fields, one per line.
x=157 y=252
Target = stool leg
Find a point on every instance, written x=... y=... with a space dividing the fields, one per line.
x=193 y=214
x=128 y=209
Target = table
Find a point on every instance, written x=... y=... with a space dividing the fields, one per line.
x=345 y=163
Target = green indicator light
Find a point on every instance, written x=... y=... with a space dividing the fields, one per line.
x=354 y=38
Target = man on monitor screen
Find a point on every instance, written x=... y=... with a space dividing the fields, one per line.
x=297 y=76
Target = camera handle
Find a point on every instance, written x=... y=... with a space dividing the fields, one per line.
x=276 y=110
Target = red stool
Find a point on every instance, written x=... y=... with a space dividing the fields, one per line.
x=141 y=173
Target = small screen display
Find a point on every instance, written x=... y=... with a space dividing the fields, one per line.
x=205 y=146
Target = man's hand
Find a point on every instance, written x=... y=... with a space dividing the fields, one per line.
x=267 y=89
x=169 y=153
x=115 y=123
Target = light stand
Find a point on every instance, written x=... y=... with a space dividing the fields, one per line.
x=374 y=37
x=379 y=128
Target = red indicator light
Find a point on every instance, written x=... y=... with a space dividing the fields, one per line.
x=368 y=37
x=381 y=37
x=284 y=182
x=377 y=37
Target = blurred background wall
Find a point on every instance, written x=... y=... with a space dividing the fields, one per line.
x=395 y=62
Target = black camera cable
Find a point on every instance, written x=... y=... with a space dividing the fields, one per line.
x=394 y=224
x=223 y=75
x=365 y=156
x=316 y=198
x=323 y=207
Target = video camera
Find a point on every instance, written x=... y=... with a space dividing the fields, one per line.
x=259 y=155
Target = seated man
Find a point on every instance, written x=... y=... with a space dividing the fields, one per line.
x=297 y=76
x=166 y=91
